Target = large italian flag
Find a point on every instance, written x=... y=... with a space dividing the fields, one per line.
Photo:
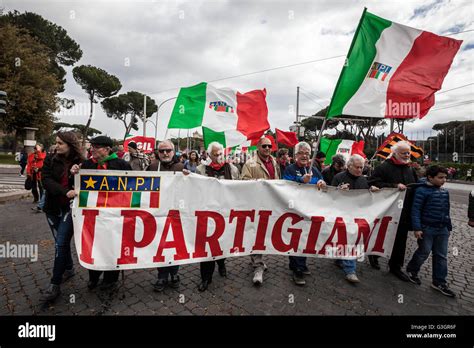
x=391 y=70
x=225 y=115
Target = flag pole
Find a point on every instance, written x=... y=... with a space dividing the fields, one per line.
x=337 y=85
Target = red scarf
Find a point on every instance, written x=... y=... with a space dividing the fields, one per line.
x=216 y=166
x=99 y=166
x=397 y=162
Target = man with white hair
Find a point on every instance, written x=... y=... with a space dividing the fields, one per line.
x=302 y=172
x=166 y=162
x=396 y=172
x=218 y=168
x=351 y=179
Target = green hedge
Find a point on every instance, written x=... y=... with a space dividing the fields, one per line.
x=7 y=159
x=461 y=168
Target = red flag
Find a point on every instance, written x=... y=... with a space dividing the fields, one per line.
x=358 y=148
x=287 y=138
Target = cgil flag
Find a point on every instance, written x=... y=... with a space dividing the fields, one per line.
x=385 y=149
x=343 y=147
x=225 y=115
x=392 y=70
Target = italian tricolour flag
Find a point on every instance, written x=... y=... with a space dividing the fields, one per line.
x=225 y=115
x=343 y=147
x=391 y=70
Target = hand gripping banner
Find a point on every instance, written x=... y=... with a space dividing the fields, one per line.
x=132 y=220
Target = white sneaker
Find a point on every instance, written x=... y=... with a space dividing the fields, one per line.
x=258 y=277
x=352 y=278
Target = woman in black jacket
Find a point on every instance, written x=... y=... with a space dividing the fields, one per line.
x=58 y=183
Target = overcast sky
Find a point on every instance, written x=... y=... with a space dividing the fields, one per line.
x=155 y=47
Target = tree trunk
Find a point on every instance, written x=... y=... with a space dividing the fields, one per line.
x=126 y=127
x=86 y=128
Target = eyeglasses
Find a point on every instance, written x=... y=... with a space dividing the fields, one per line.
x=95 y=146
x=303 y=153
x=267 y=146
x=216 y=154
x=165 y=150
x=405 y=153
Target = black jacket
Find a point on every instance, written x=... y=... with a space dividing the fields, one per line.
x=389 y=174
x=113 y=164
x=329 y=173
x=174 y=166
x=53 y=169
x=355 y=182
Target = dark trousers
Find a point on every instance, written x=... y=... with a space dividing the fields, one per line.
x=399 y=247
x=109 y=276
x=208 y=267
x=62 y=229
x=165 y=272
x=35 y=185
x=22 y=168
x=298 y=263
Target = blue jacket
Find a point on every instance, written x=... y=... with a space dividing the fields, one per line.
x=430 y=206
x=295 y=173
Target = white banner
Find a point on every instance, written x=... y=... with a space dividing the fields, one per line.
x=130 y=220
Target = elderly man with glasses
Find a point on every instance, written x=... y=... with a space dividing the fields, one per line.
x=302 y=172
x=166 y=162
x=396 y=172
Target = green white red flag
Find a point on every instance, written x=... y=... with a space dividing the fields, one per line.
x=392 y=71
x=225 y=115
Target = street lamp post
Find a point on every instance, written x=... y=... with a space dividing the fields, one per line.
x=157 y=110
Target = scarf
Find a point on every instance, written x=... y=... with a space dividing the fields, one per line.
x=102 y=163
x=397 y=162
x=214 y=170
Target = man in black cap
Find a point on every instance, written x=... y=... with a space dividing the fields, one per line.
x=137 y=160
x=103 y=158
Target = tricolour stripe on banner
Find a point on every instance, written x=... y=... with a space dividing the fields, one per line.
x=136 y=199
x=83 y=197
x=155 y=199
x=88 y=199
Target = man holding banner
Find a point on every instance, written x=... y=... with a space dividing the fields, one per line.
x=303 y=173
x=263 y=166
x=396 y=172
x=103 y=158
x=166 y=162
